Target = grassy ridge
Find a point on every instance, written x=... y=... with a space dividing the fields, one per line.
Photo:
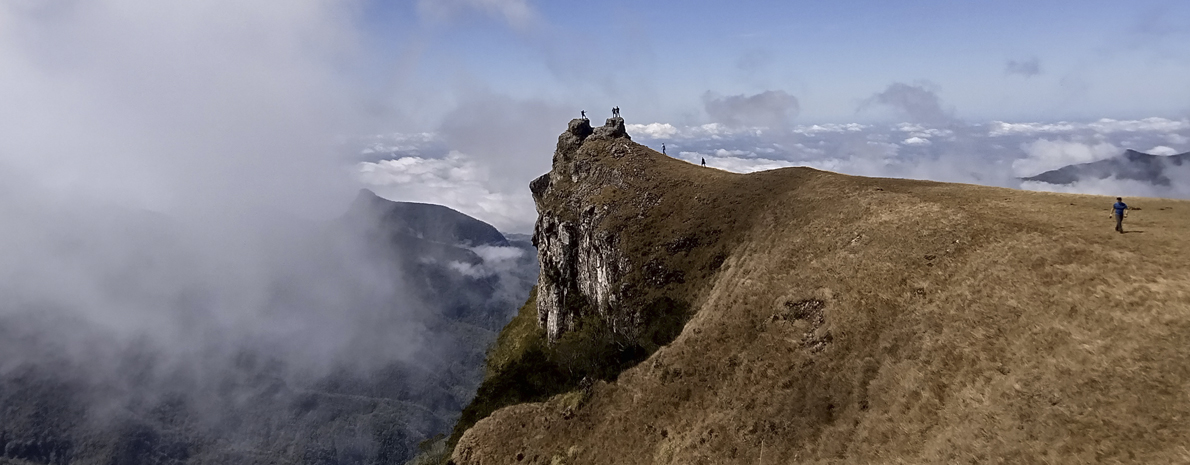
x=863 y=320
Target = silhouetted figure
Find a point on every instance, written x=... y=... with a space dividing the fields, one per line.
x=615 y=112
x=1119 y=208
x=704 y=162
x=663 y=149
x=584 y=113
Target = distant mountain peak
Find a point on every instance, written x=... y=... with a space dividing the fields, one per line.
x=1132 y=165
x=425 y=220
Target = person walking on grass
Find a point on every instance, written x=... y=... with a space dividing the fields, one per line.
x=1119 y=208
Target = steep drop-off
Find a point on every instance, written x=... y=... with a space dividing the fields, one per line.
x=237 y=401
x=840 y=319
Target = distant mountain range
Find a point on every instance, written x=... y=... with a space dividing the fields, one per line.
x=1132 y=165
x=440 y=248
x=125 y=404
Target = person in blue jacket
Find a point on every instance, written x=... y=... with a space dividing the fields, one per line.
x=1119 y=208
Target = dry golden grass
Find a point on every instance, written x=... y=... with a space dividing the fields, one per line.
x=861 y=320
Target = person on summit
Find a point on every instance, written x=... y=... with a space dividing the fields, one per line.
x=704 y=162
x=1119 y=208
x=584 y=113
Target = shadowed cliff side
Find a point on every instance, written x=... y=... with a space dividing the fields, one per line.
x=73 y=391
x=839 y=319
x=599 y=256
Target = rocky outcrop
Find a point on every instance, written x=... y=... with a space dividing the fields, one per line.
x=613 y=128
x=581 y=266
x=581 y=262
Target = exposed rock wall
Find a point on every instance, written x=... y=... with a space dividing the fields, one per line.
x=581 y=262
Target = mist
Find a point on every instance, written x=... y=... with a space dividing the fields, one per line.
x=181 y=227
x=177 y=179
x=160 y=153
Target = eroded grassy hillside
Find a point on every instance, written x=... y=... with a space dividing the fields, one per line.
x=877 y=320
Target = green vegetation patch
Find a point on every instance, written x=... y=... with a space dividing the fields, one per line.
x=523 y=367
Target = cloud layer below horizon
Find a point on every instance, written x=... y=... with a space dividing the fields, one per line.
x=421 y=168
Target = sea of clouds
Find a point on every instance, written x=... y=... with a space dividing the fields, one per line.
x=424 y=167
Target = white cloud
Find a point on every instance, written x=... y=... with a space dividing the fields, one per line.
x=179 y=104
x=770 y=109
x=653 y=130
x=1102 y=126
x=1107 y=125
x=1107 y=186
x=666 y=131
x=457 y=181
x=1045 y=155
x=397 y=142
x=882 y=149
x=517 y=13
x=494 y=254
x=829 y=128
x=1162 y=150
x=932 y=132
x=496 y=260
x=1000 y=128
x=735 y=164
x=996 y=153
x=733 y=153
x=909 y=127
x=918 y=102
x=469 y=270
x=720 y=130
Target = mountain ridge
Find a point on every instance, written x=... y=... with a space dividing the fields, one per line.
x=850 y=319
x=1132 y=165
x=424 y=220
x=124 y=402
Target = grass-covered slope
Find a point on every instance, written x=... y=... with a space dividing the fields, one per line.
x=875 y=320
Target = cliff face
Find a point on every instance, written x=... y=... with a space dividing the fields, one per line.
x=597 y=237
x=839 y=319
x=581 y=260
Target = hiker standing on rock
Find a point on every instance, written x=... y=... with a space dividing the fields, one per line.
x=1119 y=208
x=584 y=113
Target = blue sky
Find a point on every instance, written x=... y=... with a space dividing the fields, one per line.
x=224 y=105
x=655 y=59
